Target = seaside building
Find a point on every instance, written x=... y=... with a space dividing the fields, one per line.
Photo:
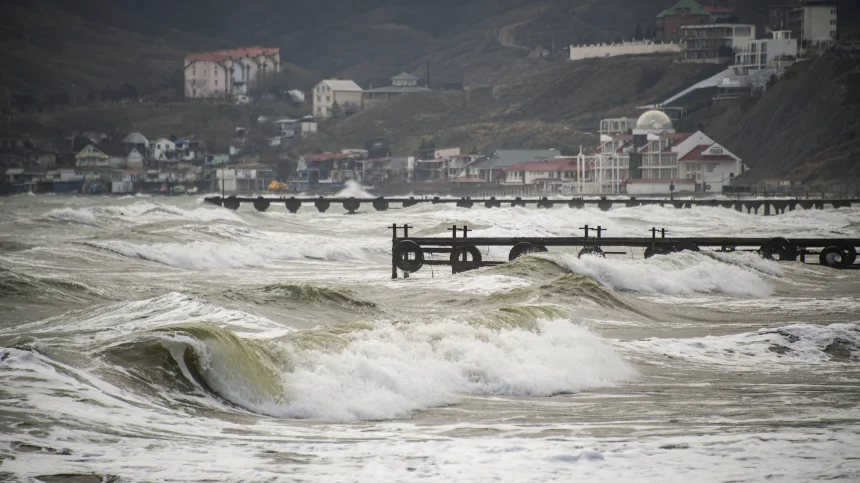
x=810 y=21
x=714 y=42
x=402 y=83
x=331 y=95
x=669 y=22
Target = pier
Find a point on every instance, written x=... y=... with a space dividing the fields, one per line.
x=354 y=205
x=462 y=253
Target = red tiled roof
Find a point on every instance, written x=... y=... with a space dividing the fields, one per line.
x=716 y=9
x=233 y=54
x=696 y=155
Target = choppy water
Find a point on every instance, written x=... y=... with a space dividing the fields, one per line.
x=161 y=339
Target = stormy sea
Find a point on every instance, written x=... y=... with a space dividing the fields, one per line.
x=164 y=339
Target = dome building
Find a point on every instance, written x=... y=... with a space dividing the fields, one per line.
x=653 y=122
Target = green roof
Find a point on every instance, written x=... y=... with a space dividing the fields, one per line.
x=695 y=9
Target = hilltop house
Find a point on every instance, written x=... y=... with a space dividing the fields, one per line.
x=162 y=149
x=810 y=21
x=402 y=83
x=228 y=73
x=345 y=94
x=689 y=12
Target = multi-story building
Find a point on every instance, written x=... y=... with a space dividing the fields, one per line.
x=775 y=53
x=228 y=73
x=714 y=42
x=810 y=21
x=689 y=12
x=331 y=95
x=616 y=126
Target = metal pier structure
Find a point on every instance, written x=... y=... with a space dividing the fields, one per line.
x=353 y=205
x=461 y=253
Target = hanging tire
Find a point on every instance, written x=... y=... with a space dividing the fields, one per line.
x=231 y=203
x=524 y=248
x=850 y=254
x=592 y=251
x=463 y=254
x=261 y=204
x=408 y=256
x=778 y=248
x=836 y=257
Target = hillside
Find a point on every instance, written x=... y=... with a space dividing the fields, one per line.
x=806 y=127
x=51 y=46
x=555 y=104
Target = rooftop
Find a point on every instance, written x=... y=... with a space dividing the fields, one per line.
x=695 y=9
x=342 y=85
x=232 y=54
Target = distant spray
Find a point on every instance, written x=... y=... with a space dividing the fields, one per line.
x=428 y=75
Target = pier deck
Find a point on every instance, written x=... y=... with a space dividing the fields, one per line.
x=409 y=254
x=353 y=205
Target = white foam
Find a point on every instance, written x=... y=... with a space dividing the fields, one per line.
x=353 y=190
x=682 y=273
x=806 y=344
x=81 y=216
x=391 y=370
x=206 y=255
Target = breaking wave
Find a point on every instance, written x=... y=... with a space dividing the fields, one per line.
x=799 y=343
x=285 y=293
x=138 y=212
x=14 y=284
x=203 y=354
x=682 y=273
x=206 y=255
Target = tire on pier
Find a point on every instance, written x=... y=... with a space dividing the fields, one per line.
x=463 y=254
x=591 y=251
x=465 y=203
x=351 y=205
x=380 y=204
x=231 y=203
x=544 y=203
x=524 y=248
x=493 y=203
x=778 y=248
x=410 y=202
x=261 y=204
x=293 y=204
x=322 y=204
x=838 y=256
x=408 y=256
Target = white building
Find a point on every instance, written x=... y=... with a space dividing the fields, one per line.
x=621 y=125
x=712 y=42
x=228 y=73
x=655 y=159
x=163 y=149
x=774 y=53
x=244 y=178
x=815 y=21
x=345 y=93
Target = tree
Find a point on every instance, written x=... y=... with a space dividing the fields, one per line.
x=336 y=110
x=638 y=34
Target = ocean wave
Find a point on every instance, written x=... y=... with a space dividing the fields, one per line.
x=138 y=212
x=14 y=284
x=206 y=255
x=799 y=343
x=682 y=273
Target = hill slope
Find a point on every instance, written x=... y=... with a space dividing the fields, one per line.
x=556 y=104
x=806 y=127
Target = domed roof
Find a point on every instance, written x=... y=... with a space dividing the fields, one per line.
x=654 y=120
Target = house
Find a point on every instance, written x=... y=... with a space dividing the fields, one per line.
x=162 y=149
x=811 y=21
x=767 y=54
x=244 y=177
x=329 y=170
x=228 y=74
x=655 y=159
x=402 y=83
x=548 y=175
x=92 y=157
x=333 y=95
x=622 y=125
x=492 y=169
x=188 y=150
x=309 y=126
x=288 y=127
x=137 y=141
x=381 y=170
x=11 y=141
x=41 y=158
x=685 y=12
x=715 y=42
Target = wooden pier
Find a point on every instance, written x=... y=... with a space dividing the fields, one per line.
x=354 y=205
x=461 y=253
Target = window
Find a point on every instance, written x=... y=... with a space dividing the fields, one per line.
x=833 y=22
x=833 y=34
x=319 y=98
x=716 y=150
x=832 y=11
x=319 y=110
x=328 y=98
x=216 y=82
